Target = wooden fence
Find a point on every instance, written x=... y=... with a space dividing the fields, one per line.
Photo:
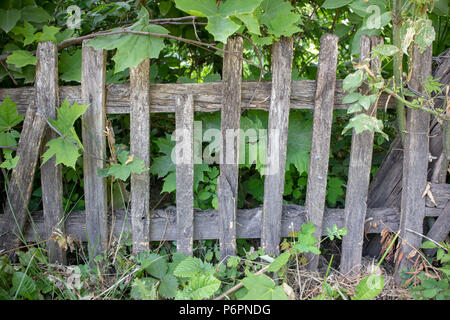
x=183 y=223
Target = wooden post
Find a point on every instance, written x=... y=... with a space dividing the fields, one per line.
x=47 y=99
x=358 y=181
x=93 y=75
x=21 y=182
x=140 y=147
x=277 y=144
x=229 y=166
x=321 y=134
x=185 y=173
x=415 y=166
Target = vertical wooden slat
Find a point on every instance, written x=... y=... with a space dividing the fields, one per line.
x=47 y=99
x=358 y=182
x=21 y=183
x=415 y=164
x=229 y=167
x=93 y=92
x=184 y=118
x=277 y=144
x=140 y=147
x=320 y=141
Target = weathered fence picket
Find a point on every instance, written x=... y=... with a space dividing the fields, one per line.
x=415 y=165
x=227 y=184
x=282 y=53
x=47 y=99
x=93 y=91
x=358 y=180
x=140 y=148
x=321 y=136
x=184 y=155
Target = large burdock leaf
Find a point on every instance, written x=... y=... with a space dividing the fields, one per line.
x=132 y=49
x=8 y=19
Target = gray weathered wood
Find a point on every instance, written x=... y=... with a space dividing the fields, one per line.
x=140 y=148
x=93 y=75
x=415 y=165
x=207 y=96
x=184 y=150
x=358 y=181
x=227 y=190
x=21 y=182
x=321 y=134
x=440 y=229
x=47 y=99
x=277 y=144
x=206 y=222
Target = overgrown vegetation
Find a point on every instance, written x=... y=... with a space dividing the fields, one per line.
x=189 y=49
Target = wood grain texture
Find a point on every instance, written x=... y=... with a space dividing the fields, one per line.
x=207 y=96
x=47 y=99
x=140 y=148
x=206 y=222
x=93 y=75
x=321 y=136
x=277 y=144
x=358 y=181
x=227 y=190
x=184 y=150
x=440 y=229
x=415 y=164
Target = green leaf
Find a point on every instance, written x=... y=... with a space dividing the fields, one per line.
x=367 y=101
x=353 y=80
x=306 y=240
x=70 y=66
x=369 y=287
x=202 y=286
x=363 y=122
x=428 y=245
x=425 y=34
x=220 y=24
x=351 y=97
x=8 y=19
x=299 y=141
x=23 y=285
x=144 y=289
x=65 y=149
x=279 y=18
x=66 y=153
x=132 y=49
x=21 y=58
x=190 y=267
x=154 y=264
x=334 y=190
x=333 y=4
x=9 y=117
x=385 y=50
x=170 y=183
x=48 y=34
x=261 y=287
x=27 y=31
x=35 y=14
x=279 y=262
x=10 y=164
x=168 y=287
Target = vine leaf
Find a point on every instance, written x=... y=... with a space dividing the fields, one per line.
x=127 y=165
x=21 y=58
x=220 y=23
x=27 y=31
x=9 y=116
x=66 y=148
x=261 y=287
x=70 y=66
x=132 y=49
x=8 y=19
x=279 y=18
x=362 y=122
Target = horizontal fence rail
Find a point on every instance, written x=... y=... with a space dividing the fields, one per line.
x=207 y=96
